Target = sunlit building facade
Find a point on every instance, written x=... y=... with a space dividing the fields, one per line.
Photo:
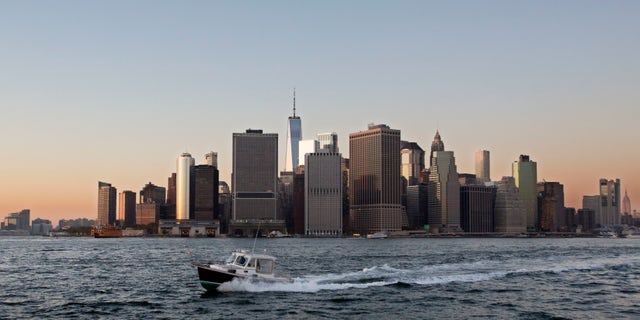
x=609 y=202
x=323 y=194
x=183 y=186
x=444 y=193
x=107 y=197
x=525 y=173
x=483 y=166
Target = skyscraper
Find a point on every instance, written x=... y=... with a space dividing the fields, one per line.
x=482 y=166
x=183 y=186
x=294 y=135
x=509 y=213
x=204 y=187
x=374 y=180
x=443 y=192
x=436 y=145
x=626 y=203
x=525 y=173
x=211 y=159
x=107 y=196
x=171 y=189
x=412 y=162
x=306 y=146
x=476 y=207
x=609 y=202
x=151 y=193
x=551 y=210
x=127 y=212
x=328 y=141
x=254 y=180
x=323 y=194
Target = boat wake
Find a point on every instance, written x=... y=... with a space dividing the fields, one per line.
x=386 y=275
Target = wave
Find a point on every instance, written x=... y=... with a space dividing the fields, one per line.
x=386 y=275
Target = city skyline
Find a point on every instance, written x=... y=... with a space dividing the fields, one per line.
x=86 y=99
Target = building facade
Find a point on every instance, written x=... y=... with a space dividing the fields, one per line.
x=107 y=197
x=444 y=193
x=374 y=180
x=483 y=166
x=609 y=202
x=204 y=186
x=417 y=206
x=412 y=162
x=328 y=141
x=294 y=135
x=306 y=146
x=211 y=159
x=323 y=194
x=476 y=207
x=127 y=208
x=151 y=193
x=254 y=179
x=510 y=215
x=183 y=186
x=626 y=203
x=551 y=210
x=525 y=173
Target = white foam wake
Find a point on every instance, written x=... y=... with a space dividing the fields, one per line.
x=385 y=275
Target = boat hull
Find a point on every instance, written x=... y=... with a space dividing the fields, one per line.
x=211 y=279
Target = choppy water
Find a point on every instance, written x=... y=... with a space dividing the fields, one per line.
x=143 y=278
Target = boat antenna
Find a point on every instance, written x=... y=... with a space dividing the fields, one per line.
x=256 y=238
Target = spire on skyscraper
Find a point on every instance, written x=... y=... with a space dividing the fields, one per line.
x=436 y=145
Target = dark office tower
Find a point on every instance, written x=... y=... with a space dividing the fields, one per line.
x=151 y=193
x=571 y=218
x=510 y=215
x=444 y=193
x=551 y=211
x=374 y=180
x=298 y=201
x=476 y=207
x=127 y=208
x=586 y=219
x=285 y=197
x=224 y=206
x=417 y=203
x=412 y=162
x=255 y=181
x=107 y=196
x=436 y=145
x=171 y=190
x=609 y=203
x=204 y=186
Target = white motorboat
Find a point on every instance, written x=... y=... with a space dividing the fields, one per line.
x=378 y=235
x=242 y=264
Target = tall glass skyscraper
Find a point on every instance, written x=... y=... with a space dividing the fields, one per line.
x=609 y=202
x=525 y=173
x=482 y=166
x=294 y=135
x=107 y=196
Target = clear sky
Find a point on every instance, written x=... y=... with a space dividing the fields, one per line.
x=116 y=90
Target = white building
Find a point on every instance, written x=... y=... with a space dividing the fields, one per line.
x=185 y=162
x=307 y=146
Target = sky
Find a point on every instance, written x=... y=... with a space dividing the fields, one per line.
x=115 y=90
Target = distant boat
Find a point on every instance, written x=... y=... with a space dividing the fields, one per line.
x=106 y=232
x=277 y=234
x=241 y=264
x=378 y=235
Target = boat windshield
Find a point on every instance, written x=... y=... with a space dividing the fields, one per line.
x=241 y=260
x=231 y=259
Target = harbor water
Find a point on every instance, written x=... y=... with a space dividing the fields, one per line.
x=459 y=278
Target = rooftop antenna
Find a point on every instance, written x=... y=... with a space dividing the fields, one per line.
x=294 y=102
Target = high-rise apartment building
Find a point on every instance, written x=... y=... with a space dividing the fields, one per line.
x=483 y=165
x=255 y=180
x=609 y=203
x=551 y=210
x=412 y=162
x=444 y=193
x=323 y=194
x=294 y=135
x=183 y=186
x=204 y=186
x=328 y=141
x=107 y=196
x=510 y=215
x=127 y=208
x=525 y=173
x=374 y=180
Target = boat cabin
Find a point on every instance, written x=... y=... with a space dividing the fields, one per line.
x=259 y=263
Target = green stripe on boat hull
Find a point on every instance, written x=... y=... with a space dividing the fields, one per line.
x=209 y=285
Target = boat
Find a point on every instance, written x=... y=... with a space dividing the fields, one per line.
x=277 y=234
x=106 y=232
x=378 y=235
x=242 y=264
